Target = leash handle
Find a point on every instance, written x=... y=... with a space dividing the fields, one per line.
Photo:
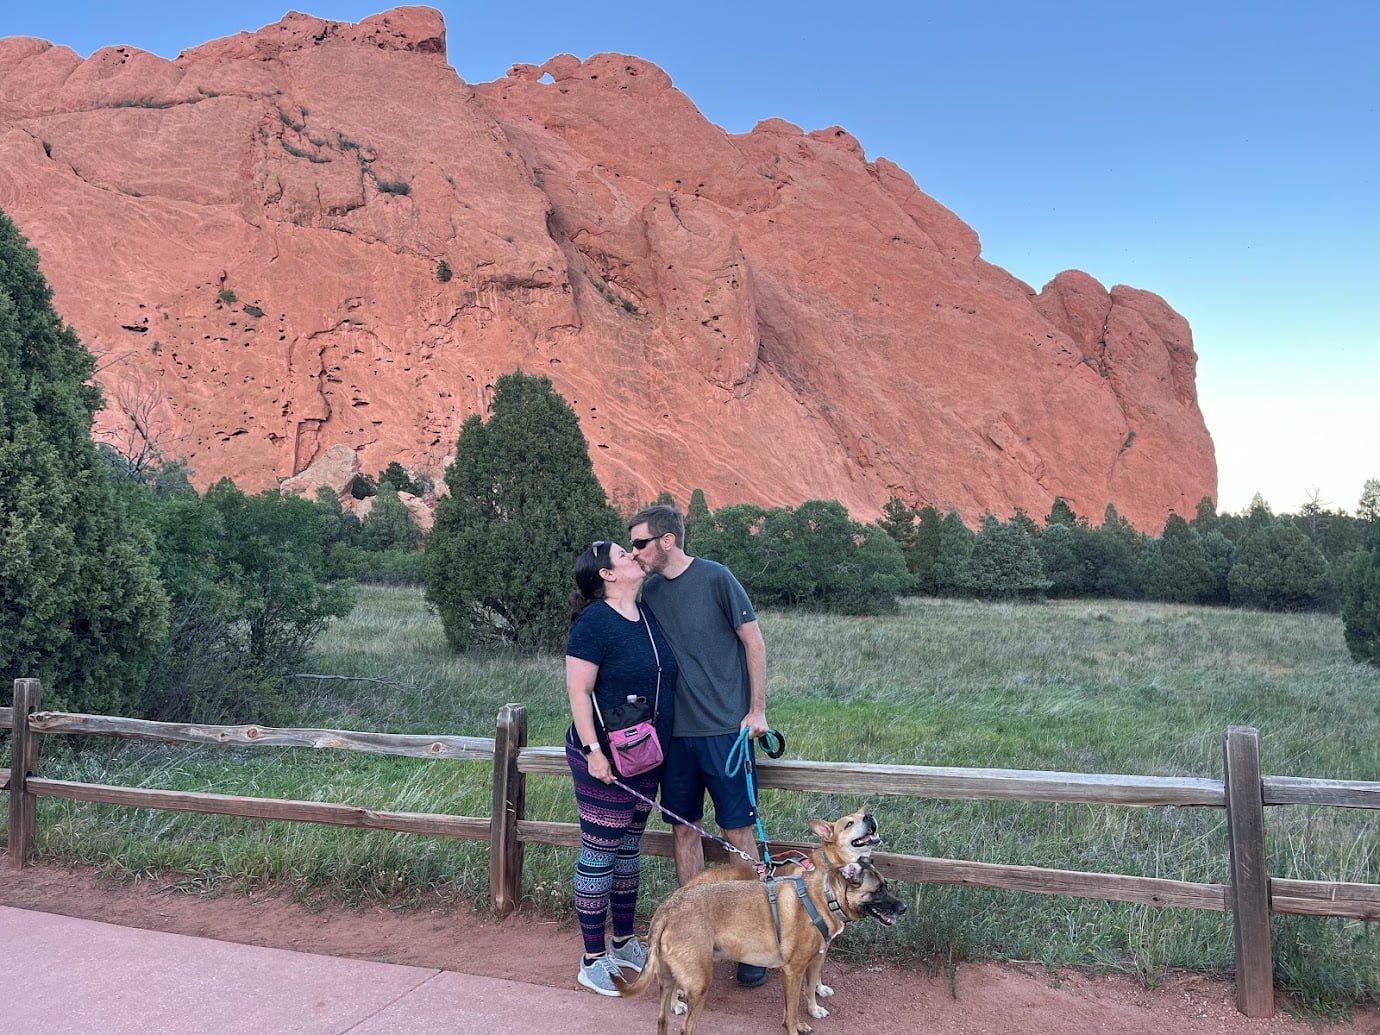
x=740 y=759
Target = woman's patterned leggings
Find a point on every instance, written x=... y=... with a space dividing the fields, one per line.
x=610 y=866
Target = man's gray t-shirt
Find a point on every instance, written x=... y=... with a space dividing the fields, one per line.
x=700 y=611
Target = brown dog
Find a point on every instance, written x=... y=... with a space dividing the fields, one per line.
x=734 y=918
x=847 y=839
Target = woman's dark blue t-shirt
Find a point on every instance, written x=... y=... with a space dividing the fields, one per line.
x=627 y=664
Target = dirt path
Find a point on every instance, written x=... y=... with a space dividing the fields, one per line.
x=879 y=999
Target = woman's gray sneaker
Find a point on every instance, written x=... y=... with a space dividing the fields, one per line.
x=598 y=976
x=631 y=953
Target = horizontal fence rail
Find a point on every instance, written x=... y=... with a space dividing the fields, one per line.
x=478 y=749
x=1244 y=794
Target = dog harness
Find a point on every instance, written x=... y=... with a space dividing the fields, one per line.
x=799 y=883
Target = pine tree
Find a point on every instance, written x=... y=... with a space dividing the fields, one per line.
x=1003 y=563
x=924 y=552
x=523 y=503
x=898 y=521
x=1277 y=569
x=955 y=547
x=1176 y=568
x=1361 y=607
x=1060 y=513
x=81 y=607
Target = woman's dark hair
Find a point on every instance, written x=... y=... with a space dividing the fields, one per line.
x=587 y=568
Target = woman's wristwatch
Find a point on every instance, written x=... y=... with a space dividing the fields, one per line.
x=591 y=748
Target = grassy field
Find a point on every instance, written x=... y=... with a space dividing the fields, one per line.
x=1105 y=687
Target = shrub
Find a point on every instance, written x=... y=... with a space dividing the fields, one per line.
x=227 y=296
x=812 y=556
x=443 y=272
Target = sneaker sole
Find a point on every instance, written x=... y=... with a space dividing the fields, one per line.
x=595 y=988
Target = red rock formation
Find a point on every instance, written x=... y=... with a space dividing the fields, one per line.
x=249 y=239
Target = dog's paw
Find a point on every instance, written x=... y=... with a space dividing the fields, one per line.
x=823 y=991
x=680 y=1008
x=818 y=1012
x=803 y=1029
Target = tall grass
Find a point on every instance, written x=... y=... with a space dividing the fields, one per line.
x=1108 y=688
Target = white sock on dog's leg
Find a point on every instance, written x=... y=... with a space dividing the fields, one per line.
x=823 y=991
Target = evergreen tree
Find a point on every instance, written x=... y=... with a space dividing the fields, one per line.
x=523 y=503
x=1368 y=512
x=898 y=521
x=1221 y=555
x=951 y=559
x=81 y=607
x=395 y=476
x=1004 y=562
x=1205 y=516
x=924 y=552
x=1061 y=514
x=699 y=507
x=1176 y=567
x=1277 y=569
x=1361 y=607
x=1061 y=561
x=1023 y=521
x=816 y=556
x=388 y=525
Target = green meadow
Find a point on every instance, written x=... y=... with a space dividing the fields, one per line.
x=1105 y=687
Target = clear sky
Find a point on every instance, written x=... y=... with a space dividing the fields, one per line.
x=1223 y=155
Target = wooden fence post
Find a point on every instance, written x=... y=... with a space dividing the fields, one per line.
x=23 y=764
x=1250 y=878
x=509 y=806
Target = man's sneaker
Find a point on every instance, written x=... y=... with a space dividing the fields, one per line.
x=750 y=976
x=598 y=976
x=631 y=954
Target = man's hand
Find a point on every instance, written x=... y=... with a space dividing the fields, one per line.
x=756 y=722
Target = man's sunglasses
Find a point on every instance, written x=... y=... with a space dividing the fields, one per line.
x=638 y=544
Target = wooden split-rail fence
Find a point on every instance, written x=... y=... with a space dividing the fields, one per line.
x=1243 y=792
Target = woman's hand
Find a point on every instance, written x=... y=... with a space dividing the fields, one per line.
x=599 y=767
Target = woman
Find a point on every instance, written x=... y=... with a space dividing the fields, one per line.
x=616 y=650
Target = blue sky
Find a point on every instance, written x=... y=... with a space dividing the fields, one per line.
x=1222 y=155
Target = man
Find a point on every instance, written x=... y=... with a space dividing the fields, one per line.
x=722 y=688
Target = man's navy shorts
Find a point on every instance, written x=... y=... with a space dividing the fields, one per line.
x=695 y=765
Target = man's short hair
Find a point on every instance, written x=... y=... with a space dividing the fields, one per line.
x=660 y=518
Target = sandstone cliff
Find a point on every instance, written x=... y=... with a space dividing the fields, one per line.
x=251 y=240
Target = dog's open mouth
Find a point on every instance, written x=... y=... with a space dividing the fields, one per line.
x=869 y=838
x=882 y=912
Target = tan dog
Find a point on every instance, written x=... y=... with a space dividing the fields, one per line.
x=848 y=839
x=733 y=918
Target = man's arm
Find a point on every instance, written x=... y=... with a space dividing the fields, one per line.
x=755 y=648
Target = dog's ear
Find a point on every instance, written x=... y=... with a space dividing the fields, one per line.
x=851 y=872
x=822 y=829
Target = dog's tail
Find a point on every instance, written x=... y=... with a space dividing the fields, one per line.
x=638 y=985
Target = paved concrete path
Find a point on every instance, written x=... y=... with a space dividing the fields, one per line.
x=66 y=976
